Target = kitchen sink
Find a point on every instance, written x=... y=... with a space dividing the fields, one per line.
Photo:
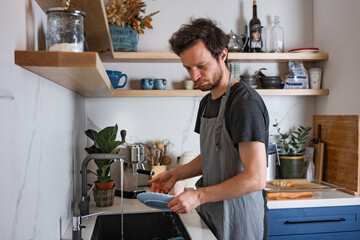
x=154 y=225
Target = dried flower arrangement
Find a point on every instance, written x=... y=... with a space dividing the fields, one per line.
x=122 y=12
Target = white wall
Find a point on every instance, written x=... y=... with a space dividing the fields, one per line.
x=336 y=31
x=173 y=118
x=41 y=128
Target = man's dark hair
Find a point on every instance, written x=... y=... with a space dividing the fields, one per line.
x=203 y=29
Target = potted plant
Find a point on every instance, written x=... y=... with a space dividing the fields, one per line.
x=291 y=149
x=126 y=20
x=104 y=142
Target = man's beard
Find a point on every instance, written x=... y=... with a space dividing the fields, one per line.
x=217 y=76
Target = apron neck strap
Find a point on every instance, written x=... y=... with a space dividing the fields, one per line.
x=229 y=85
x=221 y=114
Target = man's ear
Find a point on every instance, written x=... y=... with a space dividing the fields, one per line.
x=223 y=55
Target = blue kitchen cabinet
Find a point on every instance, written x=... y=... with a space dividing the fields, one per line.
x=330 y=223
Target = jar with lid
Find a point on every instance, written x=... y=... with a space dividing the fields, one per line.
x=276 y=37
x=65 y=30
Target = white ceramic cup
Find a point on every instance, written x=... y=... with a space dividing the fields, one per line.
x=188 y=84
x=315 y=78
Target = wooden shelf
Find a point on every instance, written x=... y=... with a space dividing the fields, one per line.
x=159 y=93
x=198 y=93
x=278 y=57
x=99 y=40
x=293 y=92
x=82 y=73
x=85 y=74
x=238 y=57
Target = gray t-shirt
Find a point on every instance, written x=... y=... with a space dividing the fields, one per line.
x=246 y=116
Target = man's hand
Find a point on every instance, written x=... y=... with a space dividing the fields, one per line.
x=185 y=202
x=163 y=182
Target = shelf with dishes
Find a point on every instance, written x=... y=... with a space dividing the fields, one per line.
x=198 y=93
x=99 y=40
x=85 y=74
x=239 y=57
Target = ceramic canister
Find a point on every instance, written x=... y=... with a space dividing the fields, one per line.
x=315 y=78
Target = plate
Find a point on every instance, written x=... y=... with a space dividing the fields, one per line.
x=155 y=200
x=304 y=50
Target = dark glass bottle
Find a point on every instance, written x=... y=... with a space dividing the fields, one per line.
x=256 y=43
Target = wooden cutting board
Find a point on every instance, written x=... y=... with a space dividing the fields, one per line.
x=340 y=133
x=298 y=184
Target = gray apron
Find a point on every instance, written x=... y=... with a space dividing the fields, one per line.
x=238 y=218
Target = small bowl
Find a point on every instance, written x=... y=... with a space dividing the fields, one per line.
x=272 y=82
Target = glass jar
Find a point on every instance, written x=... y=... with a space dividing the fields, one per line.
x=234 y=42
x=65 y=30
x=276 y=37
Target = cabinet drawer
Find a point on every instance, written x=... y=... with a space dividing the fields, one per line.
x=321 y=236
x=313 y=220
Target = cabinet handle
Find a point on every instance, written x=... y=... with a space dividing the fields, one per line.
x=315 y=221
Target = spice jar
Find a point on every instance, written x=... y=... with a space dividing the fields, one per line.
x=65 y=30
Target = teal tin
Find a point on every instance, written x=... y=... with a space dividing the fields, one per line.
x=124 y=39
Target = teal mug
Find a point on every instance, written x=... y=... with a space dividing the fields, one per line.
x=115 y=77
x=160 y=83
x=147 y=83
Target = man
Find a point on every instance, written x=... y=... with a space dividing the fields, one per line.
x=233 y=125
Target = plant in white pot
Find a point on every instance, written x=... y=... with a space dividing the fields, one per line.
x=104 y=142
x=291 y=148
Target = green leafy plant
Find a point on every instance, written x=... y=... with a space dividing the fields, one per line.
x=292 y=144
x=104 y=142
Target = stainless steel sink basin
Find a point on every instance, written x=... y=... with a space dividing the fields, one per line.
x=138 y=226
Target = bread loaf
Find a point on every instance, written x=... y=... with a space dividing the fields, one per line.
x=282 y=183
x=288 y=195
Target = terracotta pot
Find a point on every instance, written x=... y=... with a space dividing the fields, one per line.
x=105 y=185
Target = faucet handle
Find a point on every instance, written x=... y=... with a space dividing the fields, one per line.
x=76 y=228
x=93 y=214
x=77 y=220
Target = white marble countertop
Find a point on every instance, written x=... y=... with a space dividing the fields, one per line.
x=197 y=228
x=320 y=199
